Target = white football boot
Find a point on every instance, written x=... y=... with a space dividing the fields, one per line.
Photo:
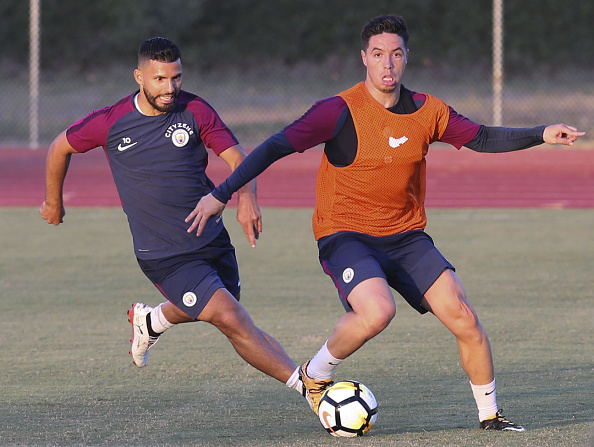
x=141 y=340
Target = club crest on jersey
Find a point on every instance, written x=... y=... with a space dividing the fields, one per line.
x=180 y=137
x=179 y=134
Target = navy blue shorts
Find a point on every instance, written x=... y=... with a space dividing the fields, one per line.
x=409 y=262
x=189 y=280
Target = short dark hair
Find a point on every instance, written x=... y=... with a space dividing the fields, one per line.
x=158 y=49
x=384 y=24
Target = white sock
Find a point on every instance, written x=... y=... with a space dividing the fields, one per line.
x=323 y=364
x=486 y=399
x=295 y=382
x=159 y=323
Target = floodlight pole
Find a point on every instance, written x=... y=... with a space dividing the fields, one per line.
x=497 y=61
x=34 y=8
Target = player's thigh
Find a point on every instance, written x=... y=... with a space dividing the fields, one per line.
x=225 y=312
x=413 y=266
x=189 y=282
x=373 y=298
x=350 y=262
x=221 y=255
x=446 y=299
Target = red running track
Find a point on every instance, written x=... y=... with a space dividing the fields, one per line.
x=540 y=177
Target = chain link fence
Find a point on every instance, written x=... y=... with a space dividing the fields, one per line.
x=260 y=100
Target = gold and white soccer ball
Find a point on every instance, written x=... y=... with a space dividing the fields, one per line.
x=348 y=409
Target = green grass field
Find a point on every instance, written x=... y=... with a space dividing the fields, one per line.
x=66 y=378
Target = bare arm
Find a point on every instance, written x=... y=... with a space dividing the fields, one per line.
x=248 y=212
x=58 y=159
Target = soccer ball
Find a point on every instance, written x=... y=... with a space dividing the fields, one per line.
x=348 y=409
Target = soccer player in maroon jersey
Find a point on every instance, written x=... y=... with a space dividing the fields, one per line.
x=369 y=217
x=155 y=140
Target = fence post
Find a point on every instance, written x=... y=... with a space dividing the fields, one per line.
x=34 y=8
x=497 y=61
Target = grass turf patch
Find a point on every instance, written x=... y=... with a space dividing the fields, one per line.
x=66 y=377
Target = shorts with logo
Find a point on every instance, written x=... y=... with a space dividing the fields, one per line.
x=409 y=262
x=189 y=280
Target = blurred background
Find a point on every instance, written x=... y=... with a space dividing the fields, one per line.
x=263 y=63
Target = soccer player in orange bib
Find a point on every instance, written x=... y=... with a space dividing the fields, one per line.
x=369 y=219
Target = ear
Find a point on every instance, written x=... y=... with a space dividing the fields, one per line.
x=364 y=58
x=138 y=77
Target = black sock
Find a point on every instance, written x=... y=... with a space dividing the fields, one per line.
x=150 y=327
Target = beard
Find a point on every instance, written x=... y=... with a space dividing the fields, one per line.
x=388 y=88
x=152 y=100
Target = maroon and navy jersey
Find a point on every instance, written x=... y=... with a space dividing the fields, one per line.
x=329 y=122
x=159 y=167
x=332 y=122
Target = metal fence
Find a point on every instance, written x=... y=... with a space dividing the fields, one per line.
x=36 y=105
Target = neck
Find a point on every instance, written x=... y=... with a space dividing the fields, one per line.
x=386 y=99
x=144 y=106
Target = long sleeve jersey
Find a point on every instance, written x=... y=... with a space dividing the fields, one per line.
x=352 y=126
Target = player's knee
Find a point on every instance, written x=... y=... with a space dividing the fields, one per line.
x=463 y=311
x=232 y=320
x=377 y=322
x=468 y=326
